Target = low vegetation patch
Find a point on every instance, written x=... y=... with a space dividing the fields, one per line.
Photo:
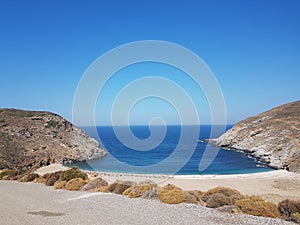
x=229 y=192
x=295 y=217
x=289 y=207
x=171 y=194
x=60 y=184
x=220 y=196
x=75 y=184
x=40 y=180
x=194 y=197
x=9 y=174
x=218 y=200
x=139 y=189
x=28 y=177
x=151 y=194
x=52 y=178
x=95 y=185
x=256 y=206
x=52 y=123
x=73 y=173
x=118 y=187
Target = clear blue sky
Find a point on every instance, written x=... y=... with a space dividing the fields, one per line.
x=252 y=46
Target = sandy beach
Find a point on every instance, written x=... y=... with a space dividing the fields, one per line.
x=273 y=186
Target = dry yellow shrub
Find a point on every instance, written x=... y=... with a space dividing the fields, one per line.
x=104 y=189
x=60 y=184
x=139 y=189
x=194 y=197
x=225 y=191
x=40 y=180
x=119 y=186
x=171 y=194
x=256 y=206
x=28 y=177
x=296 y=217
x=75 y=184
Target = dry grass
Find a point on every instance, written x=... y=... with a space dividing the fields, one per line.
x=229 y=192
x=256 y=206
x=171 y=194
x=288 y=207
x=9 y=174
x=60 y=184
x=151 y=194
x=295 y=217
x=194 y=197
x=40 y=180
x=28 y=177
x=95 y=184
x=118 y=187
x=139 y=189
x=52 y=178
x=220 y=196
x=217 y=200
x=75 y=184
x=104 y=189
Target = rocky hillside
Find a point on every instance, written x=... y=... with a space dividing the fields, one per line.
x=272 y=137
x=29 y=138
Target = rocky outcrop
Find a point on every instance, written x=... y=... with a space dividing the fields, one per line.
x=30 y=138
x=273 y=137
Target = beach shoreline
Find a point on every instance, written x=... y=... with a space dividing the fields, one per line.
x=273 y=186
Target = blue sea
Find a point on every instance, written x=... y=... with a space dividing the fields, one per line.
x=170 y=156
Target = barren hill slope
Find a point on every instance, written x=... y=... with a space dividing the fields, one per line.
x=28 y=138
x=272 y=137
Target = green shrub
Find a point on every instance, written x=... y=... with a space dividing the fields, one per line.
x=171 y=194
x=256 y=206
x=52 y=123
x=73 y=173
x=75 y=184
x=288 y=207
x=118 y=187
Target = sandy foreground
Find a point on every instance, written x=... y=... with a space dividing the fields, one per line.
x=35 y=204
x=273 y=186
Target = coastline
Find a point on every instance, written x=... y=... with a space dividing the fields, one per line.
x=273 y=186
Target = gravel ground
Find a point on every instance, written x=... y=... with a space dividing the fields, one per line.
x=31 y=203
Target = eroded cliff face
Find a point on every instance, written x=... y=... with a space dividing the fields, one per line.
x=28 y=138
x=272 y=137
